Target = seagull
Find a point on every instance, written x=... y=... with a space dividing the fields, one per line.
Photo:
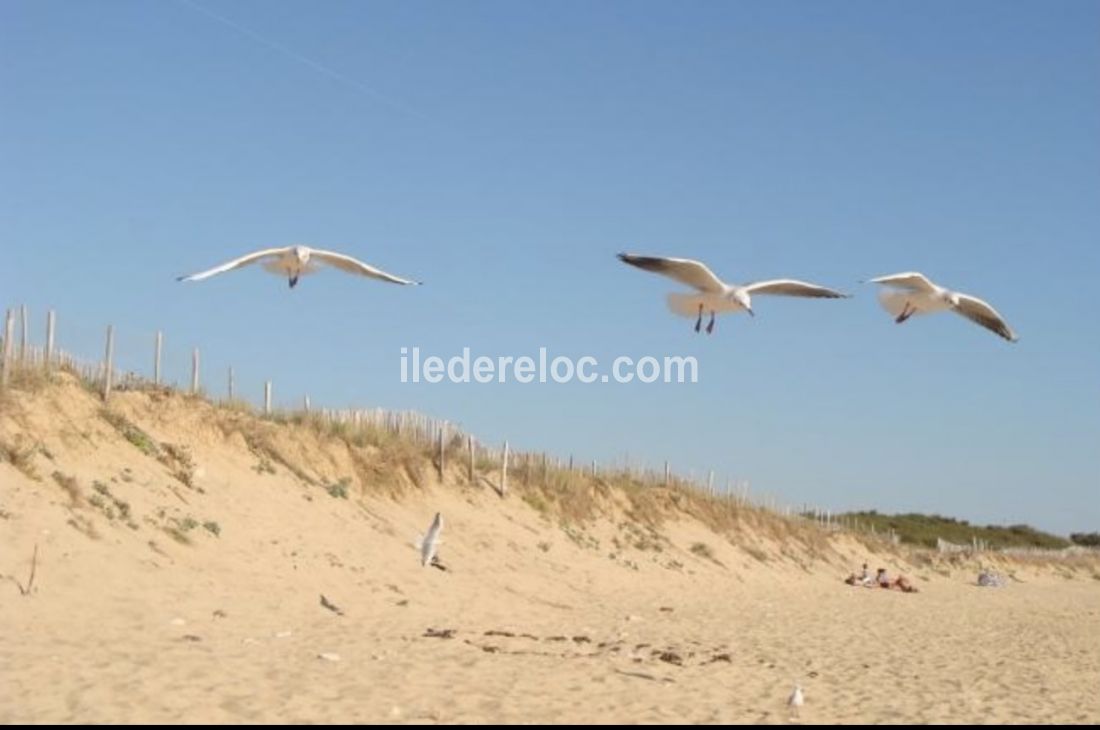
x=796 y=699
x=430 y=541
x=912 y=293
x=296 y=261
x=714 y=294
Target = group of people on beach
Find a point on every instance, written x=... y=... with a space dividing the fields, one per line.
x=880 y=580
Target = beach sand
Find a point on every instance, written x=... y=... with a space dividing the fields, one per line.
x=531 y=621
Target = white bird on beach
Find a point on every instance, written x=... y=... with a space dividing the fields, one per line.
x=430 y=542
x=715 y=295
x=912 y=293
x=296 y=261
x=796 y=699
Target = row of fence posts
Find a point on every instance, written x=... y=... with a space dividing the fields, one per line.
x=394 y=422
x=10 y=358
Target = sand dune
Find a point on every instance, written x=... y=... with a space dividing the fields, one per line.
x=180 y=579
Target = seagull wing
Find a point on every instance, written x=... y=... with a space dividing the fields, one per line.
x=245 y=260
x=911 y=280
x=793 y=288
x=685 y=271
x=355 y=266
x=978 y=311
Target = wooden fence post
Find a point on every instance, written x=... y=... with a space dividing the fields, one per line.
x=442 y=449
x=51 y=323
x=109 y=363
x=267 y=398
x=23 y=338
x=470 y=448
x=9 y=333
x=504 y=471
x=195 y=371
x=230 y=383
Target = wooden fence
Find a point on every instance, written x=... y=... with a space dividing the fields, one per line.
x=19 y=355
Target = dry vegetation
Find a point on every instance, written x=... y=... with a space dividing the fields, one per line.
x=351 y=461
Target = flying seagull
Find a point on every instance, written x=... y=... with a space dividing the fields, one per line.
x=296 y=261
x=430 y=542
x=713 y=294
x=912 y=293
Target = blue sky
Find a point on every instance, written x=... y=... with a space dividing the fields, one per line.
x=503 y=152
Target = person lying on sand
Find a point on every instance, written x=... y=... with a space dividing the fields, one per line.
x=863 y=579
x=882 y=580
x=901 y=583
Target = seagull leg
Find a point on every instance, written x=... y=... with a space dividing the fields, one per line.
x=293 y=280
x=699 y=322
x=710 y=327
x=906 y=313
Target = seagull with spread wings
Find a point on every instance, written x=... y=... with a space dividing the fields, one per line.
x=912 y=293
x=296 y=261
x=714 y=295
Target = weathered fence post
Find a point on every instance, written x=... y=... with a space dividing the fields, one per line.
x=470 y=448
x=109 y=362
x=442 y=449
x=195 y=371
x=23 y=337
x=51 y=322
x=305 y=403
x=267 y=398
x=9 y=333
x=231 y=383
x=668 y=475
x=504 y=471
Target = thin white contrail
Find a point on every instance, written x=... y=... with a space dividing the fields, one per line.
x=315 y=65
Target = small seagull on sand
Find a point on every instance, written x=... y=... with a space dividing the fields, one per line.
x=912 y=293
x=296 y=261
x=713 y=294
x=795 y=700
x=430 y=542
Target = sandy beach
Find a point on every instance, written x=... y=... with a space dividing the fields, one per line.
x=200 y=600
